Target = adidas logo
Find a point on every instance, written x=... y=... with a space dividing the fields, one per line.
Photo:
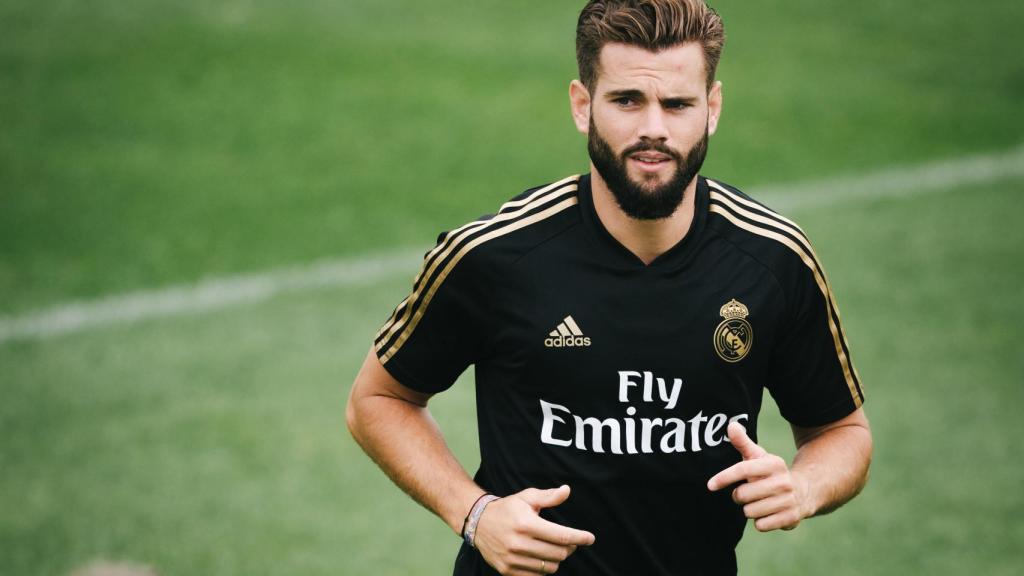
x=566 y=335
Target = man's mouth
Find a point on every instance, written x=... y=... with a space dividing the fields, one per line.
x=650 y=159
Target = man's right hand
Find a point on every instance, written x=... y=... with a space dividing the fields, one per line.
x=513 y=538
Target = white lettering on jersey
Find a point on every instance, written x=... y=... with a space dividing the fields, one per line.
x=620 y=435
x=549 y=424
x=669 y=397
x=591 y=434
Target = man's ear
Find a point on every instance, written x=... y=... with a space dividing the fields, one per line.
x=714 y=106
x=579 y=102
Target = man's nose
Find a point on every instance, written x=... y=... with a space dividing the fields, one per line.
x=653 y=126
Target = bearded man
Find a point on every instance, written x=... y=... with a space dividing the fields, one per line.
x=623 y=325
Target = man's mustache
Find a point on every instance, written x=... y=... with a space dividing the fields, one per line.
x=651 y=146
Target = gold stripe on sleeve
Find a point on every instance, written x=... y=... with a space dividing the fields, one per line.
x=436 y=256
x=826 y=291
x=429 y=295
x=398 y=309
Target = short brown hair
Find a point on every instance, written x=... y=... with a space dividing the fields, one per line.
x=651 y=24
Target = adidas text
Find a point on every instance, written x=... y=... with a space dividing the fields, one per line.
x=567 y=341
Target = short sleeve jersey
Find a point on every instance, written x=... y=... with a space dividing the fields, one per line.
x=619 y=378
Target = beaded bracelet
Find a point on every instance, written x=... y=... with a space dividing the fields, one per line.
x=473 y=518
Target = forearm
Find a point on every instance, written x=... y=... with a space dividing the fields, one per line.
x=405 y=441
x=832 y=467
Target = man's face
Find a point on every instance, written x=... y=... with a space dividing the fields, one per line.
x=646 y=199
x=648 y=120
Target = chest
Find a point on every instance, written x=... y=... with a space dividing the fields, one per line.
x=696 y=337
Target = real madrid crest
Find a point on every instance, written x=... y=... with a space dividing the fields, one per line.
x=734 y=336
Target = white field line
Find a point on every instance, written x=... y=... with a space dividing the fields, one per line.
x=896 y=182
x=216 y=293
x=208 y=295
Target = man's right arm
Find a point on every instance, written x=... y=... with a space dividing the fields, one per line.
x=392 y=424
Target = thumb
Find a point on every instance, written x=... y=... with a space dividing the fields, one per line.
x=747 y=448
x=545 y=498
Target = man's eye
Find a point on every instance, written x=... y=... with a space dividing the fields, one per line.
x=624 y=101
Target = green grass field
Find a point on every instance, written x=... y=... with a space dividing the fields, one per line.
x=156 y=143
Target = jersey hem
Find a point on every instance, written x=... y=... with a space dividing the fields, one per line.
x=826 y=417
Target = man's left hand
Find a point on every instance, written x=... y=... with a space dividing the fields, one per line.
x=771 y=495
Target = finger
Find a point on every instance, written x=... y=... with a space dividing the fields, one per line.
x=746 y=470
x=531 y=565
x=748 y=449
x=760 y=489
x=524 y=572
x=768 y=506
x=544 y=550
x=545 y=498
x=785 y=520
x=560 y=535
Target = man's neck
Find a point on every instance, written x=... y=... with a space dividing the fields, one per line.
x=647 y=239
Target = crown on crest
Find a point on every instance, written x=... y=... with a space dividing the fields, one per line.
x=734 y=309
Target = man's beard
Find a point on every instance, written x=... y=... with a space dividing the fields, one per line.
x=638 y=200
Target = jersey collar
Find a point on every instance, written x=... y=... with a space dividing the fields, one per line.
x=620 y=256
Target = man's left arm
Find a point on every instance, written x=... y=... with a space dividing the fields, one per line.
x=830 y=468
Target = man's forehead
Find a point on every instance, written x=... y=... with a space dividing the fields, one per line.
x=624 y=66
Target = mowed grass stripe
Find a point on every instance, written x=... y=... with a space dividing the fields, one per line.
x=222 y=292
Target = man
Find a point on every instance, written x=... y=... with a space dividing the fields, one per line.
x=623 y=326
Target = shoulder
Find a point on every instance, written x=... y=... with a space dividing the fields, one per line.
x=458 y=275
x=771 y=238
x=520 y=224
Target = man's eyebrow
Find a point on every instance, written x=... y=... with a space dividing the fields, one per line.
x=678 y=101
x=625 y=93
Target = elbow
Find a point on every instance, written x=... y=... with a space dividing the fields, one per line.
x=352 y=416
x=869 y=451
x=864 y=455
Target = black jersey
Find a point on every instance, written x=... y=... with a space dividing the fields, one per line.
x=619 y=378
